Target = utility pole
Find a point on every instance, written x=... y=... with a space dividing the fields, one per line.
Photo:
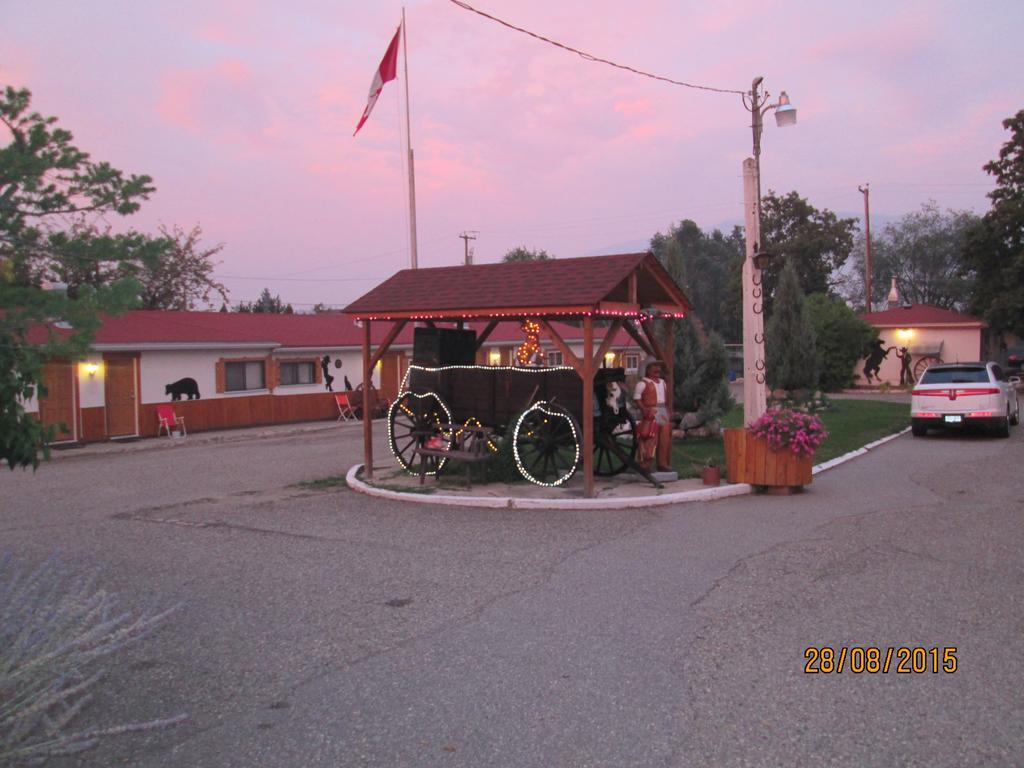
x=466 y=236
x=867 y=247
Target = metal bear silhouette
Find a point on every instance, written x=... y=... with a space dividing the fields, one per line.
x=183 y=387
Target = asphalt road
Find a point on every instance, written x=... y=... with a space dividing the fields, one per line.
x=331 y=629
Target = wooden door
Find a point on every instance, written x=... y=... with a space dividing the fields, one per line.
x=121 y=397
x=389 y=376
x=58 y=407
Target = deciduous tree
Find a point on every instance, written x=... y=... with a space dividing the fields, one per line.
x=45 y=178
x=995 y=247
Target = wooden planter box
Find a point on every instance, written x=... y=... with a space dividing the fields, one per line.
x=748 y=459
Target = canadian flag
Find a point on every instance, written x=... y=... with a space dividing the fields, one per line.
x=385 y=72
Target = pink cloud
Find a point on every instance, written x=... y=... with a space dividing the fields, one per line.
x=632 y=107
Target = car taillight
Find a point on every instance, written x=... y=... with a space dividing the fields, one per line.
x=981 y=414
x=930 y=393
x=974 y=392
x=925 y=415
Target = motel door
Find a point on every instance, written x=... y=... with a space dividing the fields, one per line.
x=121 y=396
x=58 y=407
x=389 y=376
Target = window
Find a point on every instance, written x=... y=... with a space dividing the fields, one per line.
x=962 y=374
x=297 y=373
x=631 y=361
x=554 y=357
x=242 y=376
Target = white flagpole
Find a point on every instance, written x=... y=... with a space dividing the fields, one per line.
x=413 y=260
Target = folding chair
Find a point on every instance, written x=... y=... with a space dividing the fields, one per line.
x=345 y=410
x=169 y=420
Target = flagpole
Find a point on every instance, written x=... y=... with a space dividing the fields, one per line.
x=408 y=148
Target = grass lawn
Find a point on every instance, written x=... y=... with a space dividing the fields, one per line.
x=850 y=425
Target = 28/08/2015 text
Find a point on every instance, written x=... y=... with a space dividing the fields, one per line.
x=873 y=659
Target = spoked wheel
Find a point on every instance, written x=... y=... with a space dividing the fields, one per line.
x=412 y=420
x=606 y=461
x=922 y=365
x=546 y=441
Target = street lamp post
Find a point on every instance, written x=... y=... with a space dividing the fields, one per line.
x=755 y=399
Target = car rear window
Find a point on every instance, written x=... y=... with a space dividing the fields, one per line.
x=965 y=374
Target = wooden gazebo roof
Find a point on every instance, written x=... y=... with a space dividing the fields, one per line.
x=622 y=284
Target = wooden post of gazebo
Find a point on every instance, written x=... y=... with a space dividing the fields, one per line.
x=367 y=420
x=587 y=376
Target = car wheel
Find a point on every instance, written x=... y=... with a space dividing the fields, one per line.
x=1003 y=427
x=918 y=430
x=1015 y=418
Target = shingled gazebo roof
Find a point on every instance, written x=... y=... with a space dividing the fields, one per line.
x=557 y=286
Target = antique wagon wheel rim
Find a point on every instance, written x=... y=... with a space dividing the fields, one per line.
x=607 y=463
x=412 y=420
x=542 y=439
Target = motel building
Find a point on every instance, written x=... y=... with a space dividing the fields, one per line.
x=248 y=370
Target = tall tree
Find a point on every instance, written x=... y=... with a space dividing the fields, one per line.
x=174 y=270
x=924 y=251
x=701 y=264
x=995 y=247
x=790 y=350
x=816 y=242
x=44 y=178
x=525 y=254
x=181 y=277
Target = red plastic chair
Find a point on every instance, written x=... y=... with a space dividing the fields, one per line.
x=345 y=410
x=169 y=420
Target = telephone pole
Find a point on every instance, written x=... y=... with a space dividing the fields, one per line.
x=867 y=247
x=466 y=236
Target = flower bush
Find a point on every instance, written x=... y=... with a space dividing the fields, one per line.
x=781 y=427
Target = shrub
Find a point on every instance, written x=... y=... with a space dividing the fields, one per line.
x=55 y=633
x=840 y=340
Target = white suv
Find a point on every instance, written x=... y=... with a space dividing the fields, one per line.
x=955 y=395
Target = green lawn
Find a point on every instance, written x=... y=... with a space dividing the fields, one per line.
x=850 y=425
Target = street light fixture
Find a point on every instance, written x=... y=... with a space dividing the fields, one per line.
x=755 y=396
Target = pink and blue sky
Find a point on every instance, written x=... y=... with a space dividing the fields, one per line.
x=243 y=114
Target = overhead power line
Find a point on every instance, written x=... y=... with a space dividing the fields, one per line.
x=591 y=57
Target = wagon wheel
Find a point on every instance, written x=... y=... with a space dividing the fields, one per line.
x=546 y=444
x=412 y=420
x=606 y=461
x=922 y=365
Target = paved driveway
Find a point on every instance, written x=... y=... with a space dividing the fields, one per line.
x=331 y=629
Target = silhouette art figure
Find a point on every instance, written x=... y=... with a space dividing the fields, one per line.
x=325 y=366
x=876 y=354
x=183 y=387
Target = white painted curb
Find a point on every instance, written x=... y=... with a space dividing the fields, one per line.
x=629 y=502
x=854 y=454
x=512 y=502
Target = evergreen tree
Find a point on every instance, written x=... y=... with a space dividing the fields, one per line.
x=701 y=372
x=792 y=359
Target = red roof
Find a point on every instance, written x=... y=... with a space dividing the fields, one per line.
x=521 y=287
x=146 y=327
x=920 y=314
